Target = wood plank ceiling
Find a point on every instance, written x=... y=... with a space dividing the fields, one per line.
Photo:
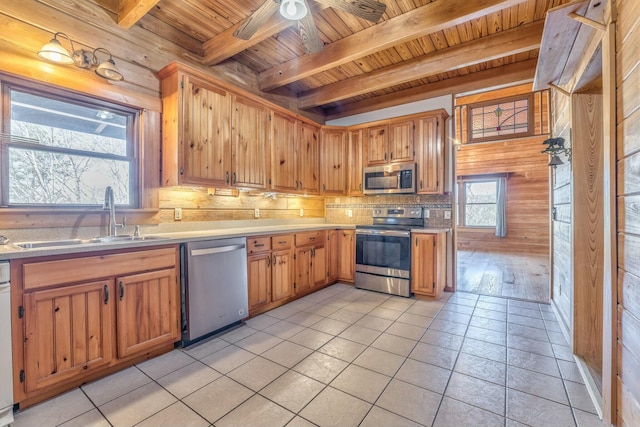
x=418 y=49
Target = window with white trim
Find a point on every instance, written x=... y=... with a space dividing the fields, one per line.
x=62 y=149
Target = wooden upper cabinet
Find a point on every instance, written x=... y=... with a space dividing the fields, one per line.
x=205 y=134
x=283 y=131
x=401 y=141
x=249 y=150
x=377 y=145
x=355 y=163
x=68 y=332
x=333 y=161
x=430 y=154
x=147 y=307
x=308 y=158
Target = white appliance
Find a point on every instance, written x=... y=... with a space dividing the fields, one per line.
x=215 y=294
x=6 y=371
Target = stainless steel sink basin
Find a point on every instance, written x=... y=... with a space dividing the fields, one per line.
x=92 y=241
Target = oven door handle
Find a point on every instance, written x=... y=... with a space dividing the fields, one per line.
x=394 y=233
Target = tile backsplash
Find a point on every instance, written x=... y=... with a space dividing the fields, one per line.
x=337 y=209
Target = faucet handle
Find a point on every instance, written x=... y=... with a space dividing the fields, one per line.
x=136 y=232
x=124 y=222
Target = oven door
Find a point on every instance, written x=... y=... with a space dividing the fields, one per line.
x=383 y=252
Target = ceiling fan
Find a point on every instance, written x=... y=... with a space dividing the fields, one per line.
x=298 y=10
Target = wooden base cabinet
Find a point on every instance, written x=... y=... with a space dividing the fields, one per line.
x=311 y=261
x=76 y=317
x=347 y=256
x=269 y=271
x=428 y=264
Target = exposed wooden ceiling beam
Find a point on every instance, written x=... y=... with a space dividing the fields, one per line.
x=130 y=11
x=225 y=45
x=507 y=75
x=424 y=20
x=499 y=45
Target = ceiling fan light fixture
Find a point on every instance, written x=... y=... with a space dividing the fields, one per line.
x=293 y=10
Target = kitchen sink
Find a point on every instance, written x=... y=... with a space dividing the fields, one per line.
x=94 y=240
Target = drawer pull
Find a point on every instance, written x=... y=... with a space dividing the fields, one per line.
x=313 y=239
x=282 y=242
x=259 y=245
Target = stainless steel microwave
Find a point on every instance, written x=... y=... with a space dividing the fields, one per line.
x=389 y=179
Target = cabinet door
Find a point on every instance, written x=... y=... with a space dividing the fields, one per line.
x=376 y=145
x=283 y=152
x=249 y=151
x=147 y=311
x=303 y=269
x=333 y=255
x=430 y=168
x=334 y=161
x=347 y=257
x=68 y=331
x=282 y=274
x=308 y=159
x=319 y=266
x=206 y=134
x=422 y=264
x=401 y=140
x=259 y=278
x=355 y=163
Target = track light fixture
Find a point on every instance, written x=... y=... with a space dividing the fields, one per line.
x=86 y=59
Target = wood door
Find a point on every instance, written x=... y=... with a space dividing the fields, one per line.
x=283 y=131
x=376 y=139
x=259 y=278
x=206 y=134
x=68 y=332
x=282 y=274
x=308 y=159
x=303 y=269
x=333 y=255
x=147 y=310
x=319 y=271
x=347 y=257
x=355 y=163
x=430 y=168
x=333 y=161
x=401 y=141
x=249 y=150
x=422 y=264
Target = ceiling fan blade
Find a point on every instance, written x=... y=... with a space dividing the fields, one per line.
x=309 y=33
x=256 y=19
x=371 y=10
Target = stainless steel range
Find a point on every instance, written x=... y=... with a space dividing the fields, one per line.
x=383 y=250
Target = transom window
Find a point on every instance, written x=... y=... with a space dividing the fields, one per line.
x=478 y=203
x=60 y=150
x=506 y=118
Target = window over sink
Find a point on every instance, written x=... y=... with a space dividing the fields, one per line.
x=63 y=149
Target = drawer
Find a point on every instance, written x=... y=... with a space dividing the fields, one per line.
x=281 y=242
x=310 y=237
x=258 y=244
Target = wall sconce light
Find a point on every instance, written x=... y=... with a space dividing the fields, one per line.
x=555 y=147
x=86 y=59
x=293 y=9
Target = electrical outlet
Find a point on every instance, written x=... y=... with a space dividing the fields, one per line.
x=426 y=213
x=301 y=212
x=256 y=213
x=177 y=214
x=447 y=214
x=349 y=213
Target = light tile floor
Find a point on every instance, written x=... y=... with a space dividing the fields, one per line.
x=349 y=357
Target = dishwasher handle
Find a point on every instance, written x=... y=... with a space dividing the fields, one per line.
x=220 y=249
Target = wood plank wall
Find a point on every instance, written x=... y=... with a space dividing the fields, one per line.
x=628 y=192
x=562 y=272
x=527 y=185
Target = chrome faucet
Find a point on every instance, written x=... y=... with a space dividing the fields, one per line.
x=110 y=204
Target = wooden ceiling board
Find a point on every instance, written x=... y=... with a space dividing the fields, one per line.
x=178 y=15
x=162 y=30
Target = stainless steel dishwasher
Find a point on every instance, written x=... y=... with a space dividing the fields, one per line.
x=214 y=287
x=6 y=372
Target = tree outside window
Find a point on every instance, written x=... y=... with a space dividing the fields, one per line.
x=478 y=203
x=61 y=151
